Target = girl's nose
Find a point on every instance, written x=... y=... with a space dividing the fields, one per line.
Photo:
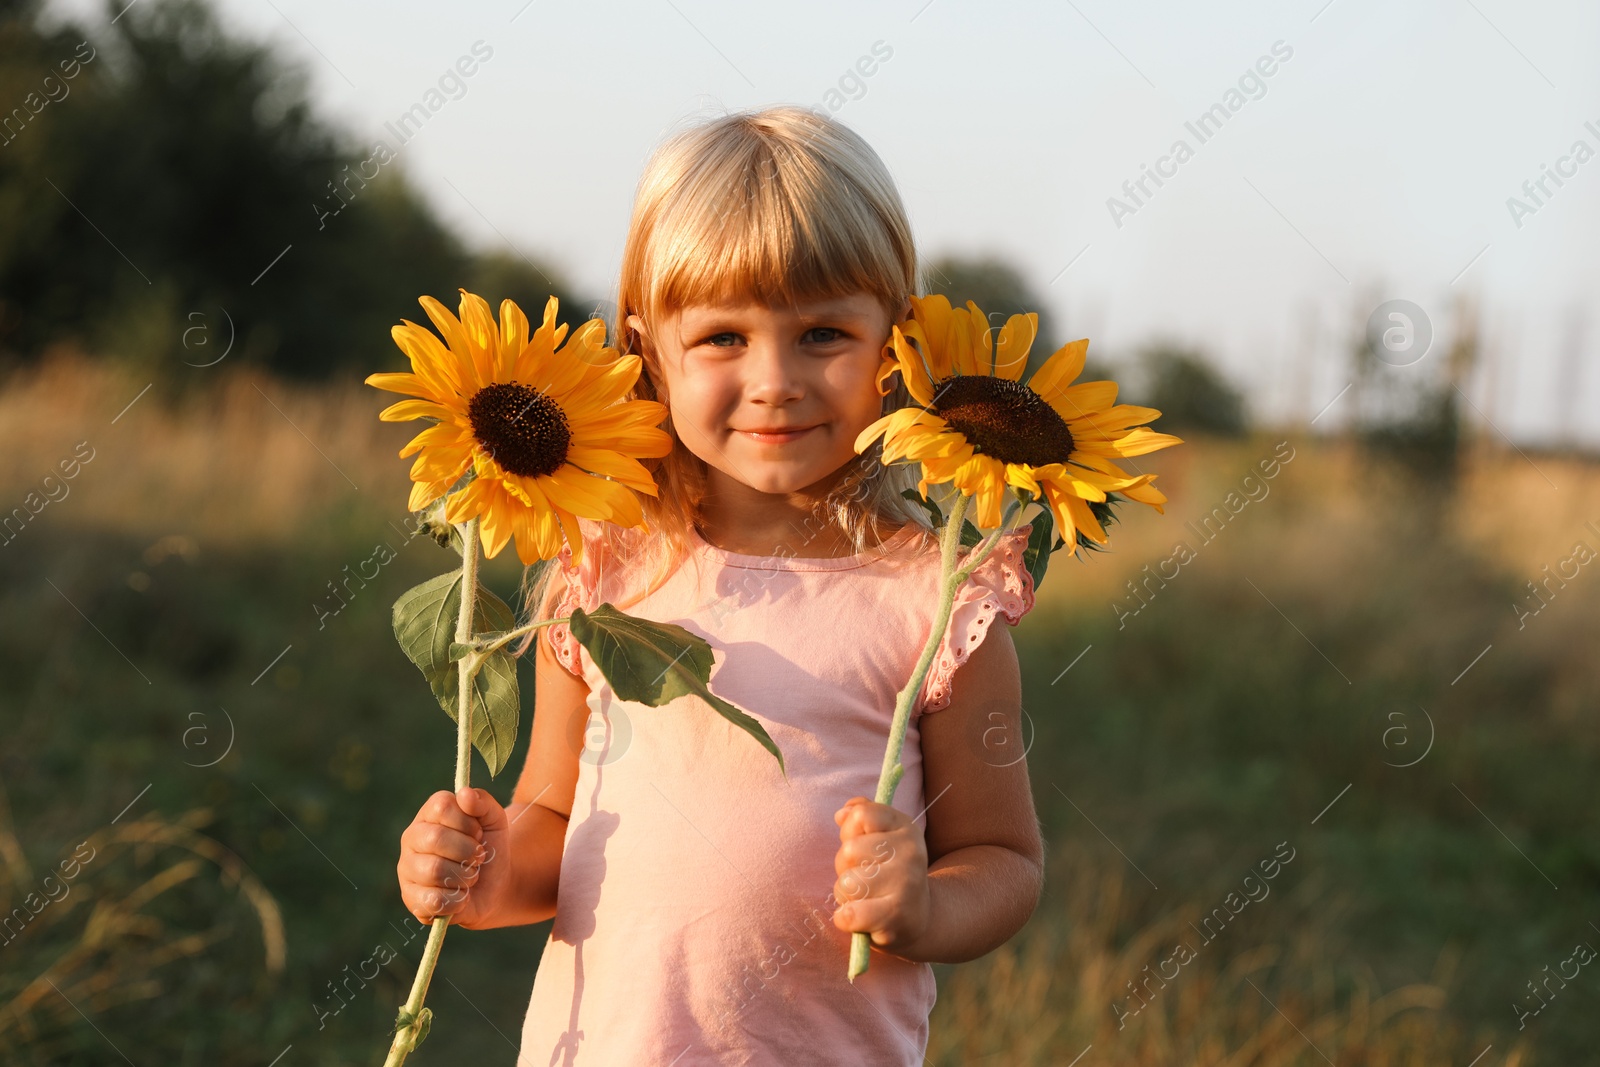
x=774 y=373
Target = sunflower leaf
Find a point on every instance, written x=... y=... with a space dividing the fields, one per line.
x=653 y=663
x=1036 y=557
x=425 y=626
x=935 y=517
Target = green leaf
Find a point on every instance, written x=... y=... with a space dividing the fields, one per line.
x=652 y=663
x=425 y=626
x=1036 y=557
x=934 y=515
x=1105 y=512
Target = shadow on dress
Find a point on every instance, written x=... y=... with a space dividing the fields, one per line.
x=575 y=922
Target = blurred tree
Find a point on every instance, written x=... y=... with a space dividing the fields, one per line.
x=498 y=276
x=1411 y=414
x=1190 y=393
x=185 y=189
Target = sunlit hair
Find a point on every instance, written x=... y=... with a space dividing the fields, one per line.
x=776 y=206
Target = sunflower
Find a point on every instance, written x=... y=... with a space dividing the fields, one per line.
x=544 y=429
x=980 y=428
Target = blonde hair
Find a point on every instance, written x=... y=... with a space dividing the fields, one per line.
x=775 y=206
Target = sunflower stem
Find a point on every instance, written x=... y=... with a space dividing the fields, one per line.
x=522 y=631
x=408 y=1035
x=950 y=581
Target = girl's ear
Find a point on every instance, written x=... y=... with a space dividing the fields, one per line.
x=636 y=324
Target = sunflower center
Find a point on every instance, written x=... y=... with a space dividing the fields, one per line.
x=523 y=429
x=1003 y=419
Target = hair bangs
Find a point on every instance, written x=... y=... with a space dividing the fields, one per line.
x=767 y=220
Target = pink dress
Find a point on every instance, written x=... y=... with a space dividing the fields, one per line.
x=694 y=917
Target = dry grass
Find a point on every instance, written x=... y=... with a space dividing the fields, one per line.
x=133 y=931
x=1516 y=512
x=1047 y=997
x=238 y=459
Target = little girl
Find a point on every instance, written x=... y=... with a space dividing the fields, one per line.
x=704 y=902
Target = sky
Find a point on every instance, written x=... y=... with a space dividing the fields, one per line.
x=1376 y=162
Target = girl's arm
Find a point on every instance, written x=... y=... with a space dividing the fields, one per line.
x=486 y=866
x=966 y=884
x=542 y=801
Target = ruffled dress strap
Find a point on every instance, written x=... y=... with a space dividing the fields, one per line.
x=582 y=591
x=1001 y=585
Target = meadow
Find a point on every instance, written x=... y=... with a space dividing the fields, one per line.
x=1346 y=684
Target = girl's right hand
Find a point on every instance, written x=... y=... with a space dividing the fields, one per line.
x=454 y=858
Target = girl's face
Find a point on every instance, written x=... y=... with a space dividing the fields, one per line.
x=773 y=398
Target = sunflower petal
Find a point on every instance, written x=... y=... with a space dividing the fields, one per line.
x=1016 y=340
x=564 y=369
x=876 y=430
x=495 y=522
x=915 y=371
x=1086 y=400
x=607 y=387
x=406 y=410
x=572 y=533
x=513 y=338
x=1022 y=476
x=1084 y=519
x=1145 y=440
x=604 y=461
x=466 y=502
x=1111 y=423
x=591 y=497
x=455 y=340
x=438 y=367
x=483 y=337
x=984 y=477
x=906 y=426
x=982 y=337
x=546 y=524
x=1060 y=369
x=445 y=461
x=443 y=433
x=400 y=382
x=937 y=469
x=958 y=340
x=425 y=493
x=1066 y=528
x=1146 y=494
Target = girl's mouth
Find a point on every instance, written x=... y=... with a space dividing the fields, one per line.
x=776 y=437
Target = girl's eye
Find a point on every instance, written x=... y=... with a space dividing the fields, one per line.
x=824 y=334
x=722 y=340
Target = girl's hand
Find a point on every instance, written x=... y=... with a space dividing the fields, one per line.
x=882 y=865
x=448 y=858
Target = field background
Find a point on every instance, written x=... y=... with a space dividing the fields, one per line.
x=1177 y=752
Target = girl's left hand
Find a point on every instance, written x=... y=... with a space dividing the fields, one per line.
x=882 y=864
